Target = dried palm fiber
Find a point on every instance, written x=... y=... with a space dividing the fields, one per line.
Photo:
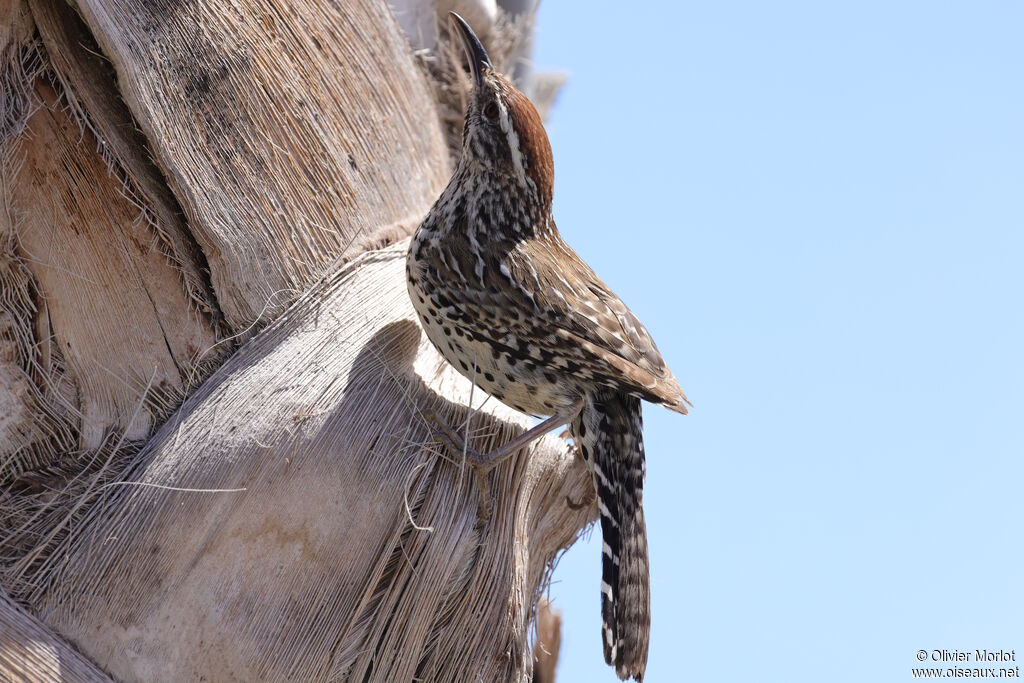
x=30 y=653
x=107 y=293
x=286 y=130
x=88 y=85
x=324 y=564
x=104 y=296
x=29 y=387
x=104 y=322
x=319 y=535
x=114 y=350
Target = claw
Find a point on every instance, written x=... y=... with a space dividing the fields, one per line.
x=455 y=442
x=586 y=501
x=481 y=467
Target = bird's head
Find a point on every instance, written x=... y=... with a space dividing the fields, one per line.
x=503 y=132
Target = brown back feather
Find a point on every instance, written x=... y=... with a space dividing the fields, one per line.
x=612 y=342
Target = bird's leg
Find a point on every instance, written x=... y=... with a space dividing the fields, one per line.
x=489 y=460
x=482 y=464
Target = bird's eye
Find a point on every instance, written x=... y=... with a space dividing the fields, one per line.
x=491 y=110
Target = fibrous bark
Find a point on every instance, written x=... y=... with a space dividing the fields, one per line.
x=31 y=653
x=311 y=487
x=212 y=450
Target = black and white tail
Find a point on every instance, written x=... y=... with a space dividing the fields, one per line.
x=609 y=431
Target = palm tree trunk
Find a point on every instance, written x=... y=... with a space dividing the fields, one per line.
x=213 y=452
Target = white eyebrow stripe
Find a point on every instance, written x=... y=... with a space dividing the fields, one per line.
x=513 y=141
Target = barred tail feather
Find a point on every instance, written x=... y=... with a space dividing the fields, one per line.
x=609 y=431
x=634 y=615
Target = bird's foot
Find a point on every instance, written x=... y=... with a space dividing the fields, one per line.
x=457 y=443
x=586 y=501
x=481 y=464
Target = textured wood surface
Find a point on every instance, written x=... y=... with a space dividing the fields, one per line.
x=31 y=653
x=197 y=202
x=113 y=304
x=354 y=546
x=286 y=129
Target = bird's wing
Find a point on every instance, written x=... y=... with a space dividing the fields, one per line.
x=589 y=322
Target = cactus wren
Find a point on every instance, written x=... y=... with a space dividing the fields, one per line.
x=512 y=306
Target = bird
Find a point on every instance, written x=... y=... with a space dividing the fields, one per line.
x=510 y=305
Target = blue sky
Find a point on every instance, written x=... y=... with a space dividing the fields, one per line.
x=818 y=212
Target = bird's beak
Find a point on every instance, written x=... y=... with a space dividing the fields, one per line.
x=475 y=51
